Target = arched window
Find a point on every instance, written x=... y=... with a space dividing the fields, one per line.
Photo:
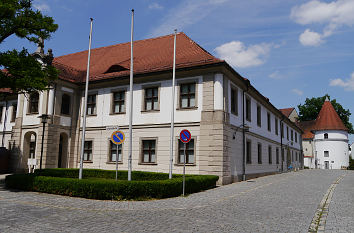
x=33 y=103
x=65 y=104
x=326 y=136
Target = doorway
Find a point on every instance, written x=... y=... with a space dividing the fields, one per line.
x=326 y=164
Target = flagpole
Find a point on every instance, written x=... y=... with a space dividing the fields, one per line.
x=85 y=104
x=131 y=102
x=173 y=105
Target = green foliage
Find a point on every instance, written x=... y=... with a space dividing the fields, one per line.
x=351 y=164
x=23 y=73
x=312 y=107
x=56 y=181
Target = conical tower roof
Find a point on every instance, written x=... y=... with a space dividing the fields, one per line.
x=328 y=118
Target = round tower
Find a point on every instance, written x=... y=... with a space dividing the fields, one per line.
x=330 y=139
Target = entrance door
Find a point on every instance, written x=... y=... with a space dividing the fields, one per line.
x=326 y=164
x=60 y=156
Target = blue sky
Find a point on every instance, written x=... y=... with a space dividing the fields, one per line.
x=290 y=50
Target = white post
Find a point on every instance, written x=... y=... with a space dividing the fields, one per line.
x=173 y=105
x=131 y=102
x=85 y=104
x=117 y=156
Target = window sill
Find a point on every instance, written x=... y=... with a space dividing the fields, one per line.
x=32 y=113
x=117 y=113
x=187 y=164
x=87 y=161
x=141 y=163
x=119 y=162
x=187 y=108
x=150 y=111
x=92 y=115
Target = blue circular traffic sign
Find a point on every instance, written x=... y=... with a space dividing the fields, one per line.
x=117 y=137
x=185 y=136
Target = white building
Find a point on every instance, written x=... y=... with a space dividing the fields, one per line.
x=236 y=131
x=325 y=140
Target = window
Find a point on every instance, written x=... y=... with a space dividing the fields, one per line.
x=32 y=150
x=287 y=132
x=91 y=104
x=326 y=136
x=14 y=112
x=149 y=151
x=282 y=129
x=248 y=152
x=268 y=122
x=292 y=135
x=33 y=103
x=276 y=126
x=259 y=153
x=326 y=153
x=270 y=154
x=234 y=101
x=118 y=102
x=151 y=98
x=65 y=104
x=113 y=152
x=190 y=158
x=295 y=136
x=187 y=95
x=259 y=116
x=88 y=151
x=248 y=109
x=277 y=155
x=282 y=154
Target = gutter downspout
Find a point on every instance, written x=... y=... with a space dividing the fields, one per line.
x=244 y=135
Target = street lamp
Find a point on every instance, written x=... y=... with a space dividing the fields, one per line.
x=44 y=118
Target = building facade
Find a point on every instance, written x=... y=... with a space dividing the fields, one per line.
x=236 y=131
x=325 y=140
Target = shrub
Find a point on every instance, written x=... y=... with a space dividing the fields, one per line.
x=108 y=189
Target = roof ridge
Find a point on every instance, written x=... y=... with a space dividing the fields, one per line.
x=121 y=44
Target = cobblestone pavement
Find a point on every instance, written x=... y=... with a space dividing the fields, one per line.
x=278 y=203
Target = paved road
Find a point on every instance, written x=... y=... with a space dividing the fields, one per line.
x=279 y=203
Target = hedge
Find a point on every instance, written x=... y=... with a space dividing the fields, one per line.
x=99 y=173
x=108 y=189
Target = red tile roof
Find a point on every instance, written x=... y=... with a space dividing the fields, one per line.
x=307 y=126
x=328 y=119
x=150 y=55
x=287 y=111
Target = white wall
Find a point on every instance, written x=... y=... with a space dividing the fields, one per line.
x=103 y=105
x=336 y=145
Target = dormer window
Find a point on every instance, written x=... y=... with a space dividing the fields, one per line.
x=115 y=68
x=326 y=136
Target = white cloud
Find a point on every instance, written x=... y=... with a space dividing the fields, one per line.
x=297 y=91
x=276 y=75
x=348 y=84
x=310 y=38
x=237 y=54
x=156 y=6
x=187 y=13
x=41 y=6
x=332 y=14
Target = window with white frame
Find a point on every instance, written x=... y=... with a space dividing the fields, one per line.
x=88 y=151
x=277 y=155
x=190 y=153
x=148 y=151
x=151 y=98
x=113 y=151
x=65 y=104
x=33 y=103
x=259 y=149
x=270 y=159
x=118 y=103
x=326 y=153
x=248 y=109
x=14 y=112
x=187 y=95
x=91 y=104
x=248 y=152
x=259 y=115
x=269 y=125
x=276 y=126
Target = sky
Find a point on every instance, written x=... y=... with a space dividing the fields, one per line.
x=289 y=50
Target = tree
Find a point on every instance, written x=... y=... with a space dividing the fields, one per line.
x=21 y=71
x=312 y=107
